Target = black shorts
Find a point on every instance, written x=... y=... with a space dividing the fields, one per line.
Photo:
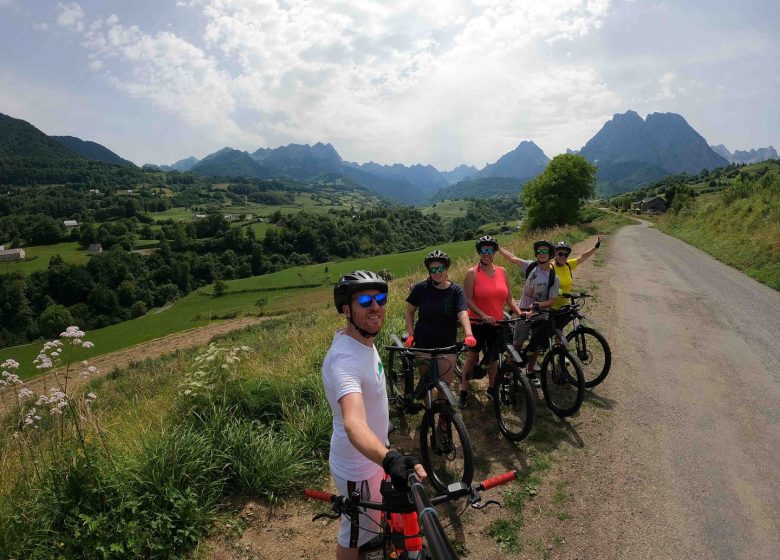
x=486 y=336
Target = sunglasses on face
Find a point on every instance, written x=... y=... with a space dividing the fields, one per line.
x=543 y=252
x=487 y=250
x=436 y=269
x=562 y=254
x=365 y=300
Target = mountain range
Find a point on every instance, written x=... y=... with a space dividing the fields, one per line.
x=745 y=156
x=628 y=151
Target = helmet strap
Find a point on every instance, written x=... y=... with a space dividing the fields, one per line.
x=364 y=333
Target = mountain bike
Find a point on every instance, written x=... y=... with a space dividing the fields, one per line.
x=591 y=347
x=410 y=527
x=445 y=446
x=513 y=404
x=563 y=381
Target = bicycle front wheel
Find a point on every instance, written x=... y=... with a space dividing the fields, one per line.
x=593 y=353
x=514 y=404
x=445 y=447
x=563 y=382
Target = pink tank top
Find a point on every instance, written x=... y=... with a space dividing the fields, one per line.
x=490 y=292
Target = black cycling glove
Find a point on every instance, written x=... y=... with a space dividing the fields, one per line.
x=396 y=464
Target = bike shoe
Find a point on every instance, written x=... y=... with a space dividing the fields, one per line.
x=464 y=399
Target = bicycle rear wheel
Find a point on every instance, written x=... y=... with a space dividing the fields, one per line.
x=593 y=352
x=514 y=405
x=563 y=382
x=445 y=447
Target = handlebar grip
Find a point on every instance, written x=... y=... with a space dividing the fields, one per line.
x=498 y=480
x=318 y=495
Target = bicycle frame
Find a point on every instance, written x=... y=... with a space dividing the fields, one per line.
x=428 y=381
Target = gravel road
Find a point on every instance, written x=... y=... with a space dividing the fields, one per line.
x=689 y=463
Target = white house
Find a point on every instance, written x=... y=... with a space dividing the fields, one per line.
x=11 y=255
x=95 y=248
x=70 y=223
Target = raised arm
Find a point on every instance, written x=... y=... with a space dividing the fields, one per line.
x=589 y=253
x=511 y=257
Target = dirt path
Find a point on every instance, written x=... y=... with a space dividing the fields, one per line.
x=686 y=466
x=146 y=350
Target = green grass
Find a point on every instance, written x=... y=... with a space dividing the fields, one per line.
x=449 y=209
x=173 y=469
x=38 y=257
x=740 y=228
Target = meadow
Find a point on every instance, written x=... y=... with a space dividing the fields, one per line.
x=150 y=465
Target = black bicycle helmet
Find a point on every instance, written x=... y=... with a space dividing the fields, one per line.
x=563 y=245
x=437 y=255
x=544 y=243
x=487 y=240
x=355 y=282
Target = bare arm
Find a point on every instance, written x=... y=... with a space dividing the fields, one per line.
x=589 y=253
x=409 y=317
x=511 y=257
x=355 y=424
x=463 y=317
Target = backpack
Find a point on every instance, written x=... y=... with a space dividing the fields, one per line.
x=550 y=279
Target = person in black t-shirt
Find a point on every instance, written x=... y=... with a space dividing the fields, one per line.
x=440 y=305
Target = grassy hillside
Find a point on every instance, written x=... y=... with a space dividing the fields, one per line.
x=739 y=225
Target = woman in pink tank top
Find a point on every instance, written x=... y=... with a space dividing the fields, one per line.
x=487 y=291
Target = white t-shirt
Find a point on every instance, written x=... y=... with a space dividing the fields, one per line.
x=539 y=279
x=352 y=367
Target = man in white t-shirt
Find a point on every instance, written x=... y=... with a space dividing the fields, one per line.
x=354 y=381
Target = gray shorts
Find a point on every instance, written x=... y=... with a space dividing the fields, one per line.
x=522 y=330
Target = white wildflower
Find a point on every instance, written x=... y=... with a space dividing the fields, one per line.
x=88 y=344
x=72 y=332
x=25 y=393
x=10 y=364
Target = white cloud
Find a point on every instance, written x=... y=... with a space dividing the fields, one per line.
x=665 y=84
x=364 y=75
x=71 y=16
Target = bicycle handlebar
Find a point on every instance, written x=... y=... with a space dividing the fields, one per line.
x=573 y=296
x=454 y=349
x=457 y=492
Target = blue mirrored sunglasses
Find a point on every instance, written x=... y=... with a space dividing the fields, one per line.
x=487 y=250
x=365 y=300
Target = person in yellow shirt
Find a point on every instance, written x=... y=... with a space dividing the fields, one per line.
x=564 y=266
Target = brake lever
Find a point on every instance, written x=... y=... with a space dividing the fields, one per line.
x=478 y=505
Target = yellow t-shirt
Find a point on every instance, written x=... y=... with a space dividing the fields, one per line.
x=564 y=277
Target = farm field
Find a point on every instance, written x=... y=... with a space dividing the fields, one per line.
x=319 y=202
x=448 y=209
x=71 y=252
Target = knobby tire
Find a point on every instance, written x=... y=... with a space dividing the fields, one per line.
x=593 y=352
x=563 y=382
x=443 y=464
x=514 y=405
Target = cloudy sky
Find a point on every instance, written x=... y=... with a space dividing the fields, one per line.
x=411 y=81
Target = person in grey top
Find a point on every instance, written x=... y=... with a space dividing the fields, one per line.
x=539 y=292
